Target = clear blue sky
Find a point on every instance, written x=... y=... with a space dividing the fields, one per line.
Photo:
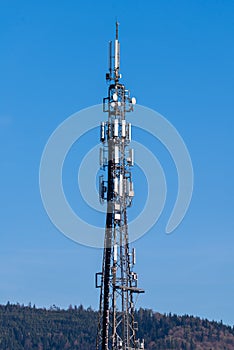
x=177 y=58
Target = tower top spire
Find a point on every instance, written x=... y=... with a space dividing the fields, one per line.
x=117 y=30
x=114 y=58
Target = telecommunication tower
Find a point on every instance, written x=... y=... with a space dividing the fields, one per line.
x=117 y=280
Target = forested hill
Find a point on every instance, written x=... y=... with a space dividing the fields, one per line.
x=29 y=328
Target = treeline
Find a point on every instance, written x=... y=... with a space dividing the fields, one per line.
x=164 y=332
x=28 y=328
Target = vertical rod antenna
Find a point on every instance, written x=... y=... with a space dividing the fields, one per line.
x=117 y=53
x=110 y=57
x=117 y=30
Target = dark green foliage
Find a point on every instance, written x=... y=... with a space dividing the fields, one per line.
x=29 y=328
x=182 y=332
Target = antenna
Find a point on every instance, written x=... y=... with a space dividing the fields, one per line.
x=118 y=282
x=117 y=52
x=117 y=30
x=113 y=74
x=110 y=57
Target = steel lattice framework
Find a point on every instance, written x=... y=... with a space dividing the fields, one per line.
x=117 y=281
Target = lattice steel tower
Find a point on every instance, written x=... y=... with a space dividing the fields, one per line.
x=117 y=281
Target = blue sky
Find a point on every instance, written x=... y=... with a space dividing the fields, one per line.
x=177 y=57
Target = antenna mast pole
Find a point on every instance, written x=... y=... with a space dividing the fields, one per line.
x=117 y=281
